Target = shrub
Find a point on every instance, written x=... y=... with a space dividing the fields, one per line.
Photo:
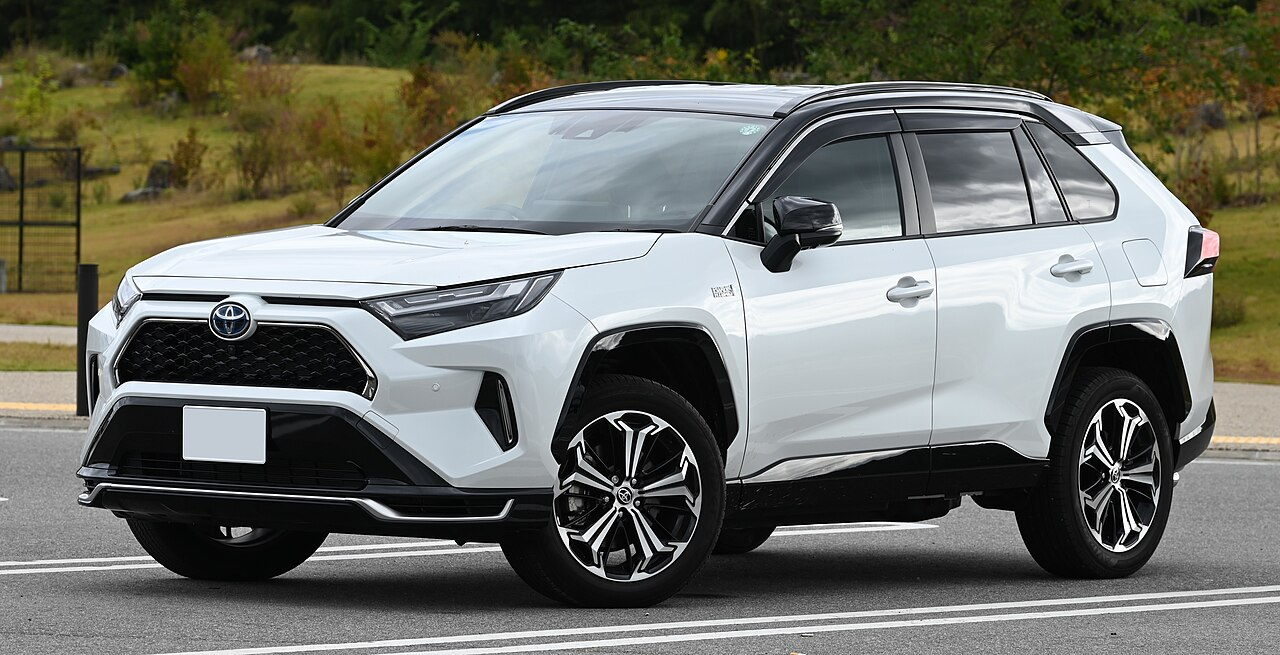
x=1228 y=309
x=254 y=158
x=205 y=64
x=33 y=85
x=302 y=206
x=187 y=155
x=100 y=192
x=263 y=91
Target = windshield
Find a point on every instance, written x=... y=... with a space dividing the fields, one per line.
x=565 y=172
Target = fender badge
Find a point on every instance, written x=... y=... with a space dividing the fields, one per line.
x=725 y=291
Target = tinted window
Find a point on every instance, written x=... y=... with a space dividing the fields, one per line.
x=1044 y=197
x=856 y=175
x=1088 y=194
x=976 y=180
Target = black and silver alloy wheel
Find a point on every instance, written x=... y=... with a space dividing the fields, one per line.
x=628 y=497
x=1119 y=475
x=1103 y=501
x=637 y=501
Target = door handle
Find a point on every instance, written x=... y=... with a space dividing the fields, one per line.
x=909 y=289
x=1072 y=266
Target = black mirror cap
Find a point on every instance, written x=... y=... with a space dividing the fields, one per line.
x=815 y=221
x=802 y=223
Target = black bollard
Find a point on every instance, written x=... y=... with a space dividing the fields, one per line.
x=86 y=307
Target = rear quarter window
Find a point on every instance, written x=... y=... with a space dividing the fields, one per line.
x=1088 y=194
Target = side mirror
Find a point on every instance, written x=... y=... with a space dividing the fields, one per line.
x=802 y=223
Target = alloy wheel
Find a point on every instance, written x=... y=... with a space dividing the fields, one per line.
x=628 y=497
x=1120 y=473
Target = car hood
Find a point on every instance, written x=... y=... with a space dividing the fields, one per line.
x=396 y=257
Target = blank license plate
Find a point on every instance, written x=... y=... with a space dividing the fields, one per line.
x=224 y=434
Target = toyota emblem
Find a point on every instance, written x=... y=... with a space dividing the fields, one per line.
x=231 y=321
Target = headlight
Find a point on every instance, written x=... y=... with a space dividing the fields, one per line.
x=420 y=314
x=126 y=295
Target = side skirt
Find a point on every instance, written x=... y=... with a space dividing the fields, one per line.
x=900 y=485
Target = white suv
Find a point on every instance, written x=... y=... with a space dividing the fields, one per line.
x=617 y=327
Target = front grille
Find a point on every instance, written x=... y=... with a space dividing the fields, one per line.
x=278 y=471
x=294 y=356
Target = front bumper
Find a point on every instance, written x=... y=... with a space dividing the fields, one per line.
x=426 y=389
x=327 y=470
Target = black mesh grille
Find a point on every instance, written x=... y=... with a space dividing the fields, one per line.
x=278 y=471
x=300 y=357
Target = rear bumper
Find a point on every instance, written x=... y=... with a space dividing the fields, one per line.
x=1199 y=441
x=327 y=470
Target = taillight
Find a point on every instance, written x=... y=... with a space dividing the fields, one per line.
x=1203 y=246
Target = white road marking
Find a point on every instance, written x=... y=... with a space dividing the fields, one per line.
x=845 y=627
x=4 y=500
x=1242 y=462
x=453 y=548
x=315 y=558
x=755 y=620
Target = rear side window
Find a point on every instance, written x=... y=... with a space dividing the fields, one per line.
x=1087 y=192
x=1044 y=196
x=858 y=177
x=976 y=181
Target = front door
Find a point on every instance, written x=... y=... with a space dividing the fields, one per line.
x=841 y=375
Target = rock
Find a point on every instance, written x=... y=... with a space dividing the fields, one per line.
x=7 y=183
x=141 y=195
x=118 y=71
x=93 y=172
x=161 y=175
x=256 y=54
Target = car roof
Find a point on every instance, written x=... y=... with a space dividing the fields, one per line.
x=762 y=100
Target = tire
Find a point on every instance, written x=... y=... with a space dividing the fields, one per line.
x=678 y=486
x=207 y=553
x=1061 y=528
x=736 y=541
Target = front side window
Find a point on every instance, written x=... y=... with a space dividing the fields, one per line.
x=976 y=181
x=567 y=171
x=857 y=176
x=1088 y=193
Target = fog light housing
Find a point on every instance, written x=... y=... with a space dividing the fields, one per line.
x=495 y=408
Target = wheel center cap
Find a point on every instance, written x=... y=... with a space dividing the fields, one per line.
x=625 y=496
x=1115 y=475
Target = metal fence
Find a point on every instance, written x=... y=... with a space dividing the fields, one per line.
x=39 y=218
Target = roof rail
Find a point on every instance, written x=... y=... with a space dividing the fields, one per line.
x=542 y=95
x=867 y=88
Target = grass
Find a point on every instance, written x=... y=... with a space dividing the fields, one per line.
x=37 y=357
x=1250 y=270
x=117 y=236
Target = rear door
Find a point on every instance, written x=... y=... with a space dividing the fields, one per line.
x=1015 y=280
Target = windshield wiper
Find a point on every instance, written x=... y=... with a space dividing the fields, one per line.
x=663 y=230
x=477 y=228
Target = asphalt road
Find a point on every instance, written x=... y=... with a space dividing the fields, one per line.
x=964 y=585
